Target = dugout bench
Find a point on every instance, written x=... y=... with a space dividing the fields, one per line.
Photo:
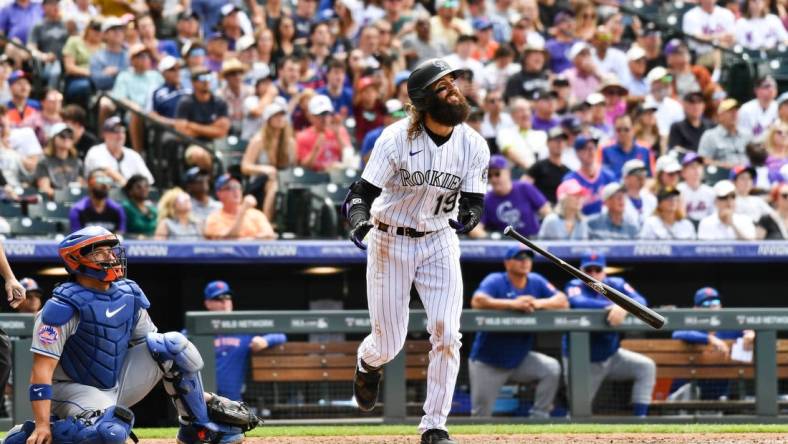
x=578 y=324
x=323 y=363
x=679 y=360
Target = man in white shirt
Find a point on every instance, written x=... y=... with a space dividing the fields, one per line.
x=757 y=115
x=709 y=23
x=698 y=197
x=461 y=57
x=669 y=110
x=725 y=223
x=753 y=206
x=608 y=58
x=640 y=202
x=635 y=78
x=495 y=118
x=119 y=162
x=522 y=144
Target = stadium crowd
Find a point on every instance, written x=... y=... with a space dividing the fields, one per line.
x=600 y=125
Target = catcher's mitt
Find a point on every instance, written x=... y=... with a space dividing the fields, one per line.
x=232 y=413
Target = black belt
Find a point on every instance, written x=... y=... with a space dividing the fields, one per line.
x=403 y=231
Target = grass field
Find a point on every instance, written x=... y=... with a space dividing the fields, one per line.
x=493 y=429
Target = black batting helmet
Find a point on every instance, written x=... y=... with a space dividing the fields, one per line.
x=424 y=76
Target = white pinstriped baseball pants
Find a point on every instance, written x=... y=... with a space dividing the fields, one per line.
x=432 y=264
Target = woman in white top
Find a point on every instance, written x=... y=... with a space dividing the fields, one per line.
x=757 y=29
x=567 y=222
x=754 y=207
x=175 y=220
x=668 y=221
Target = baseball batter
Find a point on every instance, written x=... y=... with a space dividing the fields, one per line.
x=96 y=352
x=427 y=173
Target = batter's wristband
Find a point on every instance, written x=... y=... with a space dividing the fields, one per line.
x=40 y=392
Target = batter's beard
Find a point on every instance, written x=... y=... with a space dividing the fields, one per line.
x=447 y=113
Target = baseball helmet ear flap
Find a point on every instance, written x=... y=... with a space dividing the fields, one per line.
x=424 y=76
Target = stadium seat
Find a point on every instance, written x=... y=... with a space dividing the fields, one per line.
x=345 y=176
x=713 y=174
x=48 y=210
x=299 y=177
x=26 y=227
x=70 y=194
x=325 y=216
x=9 y=210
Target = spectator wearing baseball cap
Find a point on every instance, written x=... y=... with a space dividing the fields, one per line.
x=445 y=25
x=685 y=135
x=232 y=351
x=544 y=117
x=634 y=79
x=234 y=92
x=498 y=71
x=61 y=166
x=686 y=76
x=698 y=197
x=640 y=202
x=22 y=111
x=202 y=114
x=559 y=46
x=118 y=162
x=238 y=219
x=33 y=296
x=97 y=208
x=667 y=172
x=462 y=57
x=583 y=76
x=533 y=75
x=668 y=221
x=196 y=182
x=486 y=45
x=625 y=148
x=566 y=222
x=613 y=224
x=755 y=207
x=498 y=358
x=518 y=204
x=758 y=114
x=725 y=223
x=669 y=110
x=165 y=98
x=548 y=173
x=395 y=111
x=592 y=176
x=320 y=146
x=598 y=124
x=108 y=62
x=724 y=145
x=607 y=356
x=611 y=61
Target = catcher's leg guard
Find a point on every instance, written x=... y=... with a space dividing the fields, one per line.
x=113 y=426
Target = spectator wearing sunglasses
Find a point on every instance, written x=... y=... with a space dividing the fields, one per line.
x=625 y=149
x=725 y=223
x=60 y=166
x=608 y=359
x=669 y=110
x=708 y=298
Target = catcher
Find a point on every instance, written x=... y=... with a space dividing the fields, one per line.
x=96 y=352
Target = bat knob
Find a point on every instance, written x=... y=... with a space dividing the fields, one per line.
x=507 y=230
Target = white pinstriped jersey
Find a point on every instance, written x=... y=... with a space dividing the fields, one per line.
x=421 y=181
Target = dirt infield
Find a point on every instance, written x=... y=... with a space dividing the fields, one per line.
x=557 y=438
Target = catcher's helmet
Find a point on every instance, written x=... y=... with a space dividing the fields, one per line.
x=77 y=251
x=424 y=76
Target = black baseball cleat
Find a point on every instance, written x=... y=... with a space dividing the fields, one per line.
x=366 y=387
x=436 y=436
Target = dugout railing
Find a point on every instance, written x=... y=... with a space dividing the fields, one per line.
x=577 y=323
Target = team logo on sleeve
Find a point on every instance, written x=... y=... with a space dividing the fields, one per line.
x=47 y=334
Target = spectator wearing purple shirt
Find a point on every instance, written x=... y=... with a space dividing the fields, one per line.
x=96 y=208
x=518 y=204
x=18 y=18
x=564 y=25
x=544 y=118
x=626 y=148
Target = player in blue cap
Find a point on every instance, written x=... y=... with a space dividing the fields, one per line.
x=608 y=359
x=500 y=357
x=708 y=298
x=232 y=351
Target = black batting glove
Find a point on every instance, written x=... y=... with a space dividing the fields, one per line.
x=359 y=232
x=467 y=219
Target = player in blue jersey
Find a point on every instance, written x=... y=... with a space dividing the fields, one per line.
x=500 y=357
x=232 y=351
x=96 y=352
x=608 y=359
x=708 y=298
